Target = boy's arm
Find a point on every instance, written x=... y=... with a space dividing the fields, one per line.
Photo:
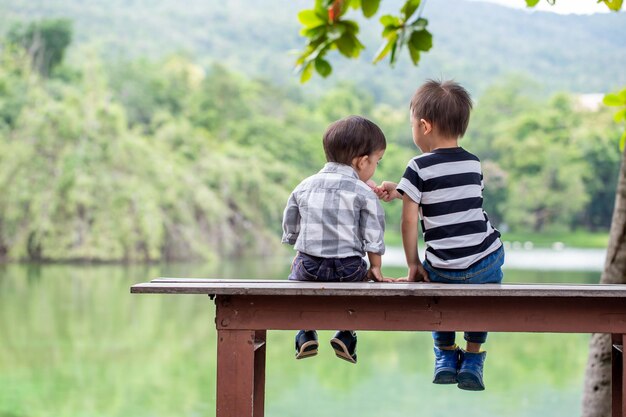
x=376 y=261
x=410 y=220
x=375 y=273
x=372 y=230
x=291 y=221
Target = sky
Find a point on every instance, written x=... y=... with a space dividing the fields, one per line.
x=561 y=6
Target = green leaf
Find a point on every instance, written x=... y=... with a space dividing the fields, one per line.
x=310 y=19
x=390 y=20
x=612 y=99
x=620 y=116
x=385 y=48
x=615 y=5
x=315 y=32
x=307 y=73
x=622 y=141
x=350 y=26
x=320 y=8
x=392 y=58
x=622 y=96
x=414 y=53
x=370 y=7
x=421 y=40
x=419 y=24
x=389 y=31
x=349 y=45
x=531 y=3
x=409 y=8
x=355 y=4
x=322 y=67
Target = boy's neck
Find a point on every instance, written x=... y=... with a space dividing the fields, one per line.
x=439 y=142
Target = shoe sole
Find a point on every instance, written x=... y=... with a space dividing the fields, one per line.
x=469 y=382
x=341 y=350
x=445 y=377
x=307 y=349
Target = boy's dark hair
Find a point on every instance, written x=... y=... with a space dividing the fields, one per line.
x=445 y=104
x=351 y=137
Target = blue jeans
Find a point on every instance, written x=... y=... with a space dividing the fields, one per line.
x=486 y=271
x=312 y=268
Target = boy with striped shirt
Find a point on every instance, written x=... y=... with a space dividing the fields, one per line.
x=442 y=190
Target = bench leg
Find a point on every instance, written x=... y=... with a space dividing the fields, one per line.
x=240 y=373
x=618 y=405
x=259 y=373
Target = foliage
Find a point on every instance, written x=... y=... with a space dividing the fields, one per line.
x=476 y=42
x=614 y=5
x=45 y=42
x=548 y=166
x=150 y=160
x=618 y=99
x=325 y=30
x=82 y=183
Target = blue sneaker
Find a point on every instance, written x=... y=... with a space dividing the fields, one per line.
x=470 y=375
x=344 y=344
x=446 y=365
x=306 y=344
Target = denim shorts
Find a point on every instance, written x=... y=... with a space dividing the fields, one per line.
x=486 y=271
x=312 y=268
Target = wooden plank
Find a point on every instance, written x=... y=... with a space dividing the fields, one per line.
x=212 y=280
x=503 y=314
x=290 y=288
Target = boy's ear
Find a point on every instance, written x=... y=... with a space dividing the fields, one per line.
x=426 y=125
x=358 y=161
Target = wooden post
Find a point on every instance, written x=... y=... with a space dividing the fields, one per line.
x=235 y=373
x=240 y=367
x=618 y=405
x=259 y=373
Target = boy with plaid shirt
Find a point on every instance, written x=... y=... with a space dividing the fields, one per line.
x=333 y=219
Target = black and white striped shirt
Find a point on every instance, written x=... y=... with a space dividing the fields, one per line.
x=447 y=184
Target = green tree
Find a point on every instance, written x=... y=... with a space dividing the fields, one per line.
x=45 y=41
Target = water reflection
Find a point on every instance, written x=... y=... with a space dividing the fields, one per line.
x=75 y=342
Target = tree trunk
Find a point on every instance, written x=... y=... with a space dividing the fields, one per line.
x=597 y=389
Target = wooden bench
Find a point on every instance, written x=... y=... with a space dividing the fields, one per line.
x=246 y=309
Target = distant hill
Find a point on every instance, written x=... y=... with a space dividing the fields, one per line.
x=474 y=42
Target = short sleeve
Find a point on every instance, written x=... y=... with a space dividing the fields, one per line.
x=411 y=183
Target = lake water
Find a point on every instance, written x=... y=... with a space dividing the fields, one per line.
x=74 y=342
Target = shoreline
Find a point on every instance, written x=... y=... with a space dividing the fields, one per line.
x=566 y=259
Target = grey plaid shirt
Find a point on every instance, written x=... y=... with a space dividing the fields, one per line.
x=333 y=214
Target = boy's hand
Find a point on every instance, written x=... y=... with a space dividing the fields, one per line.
x=380 y=192
x=372 y=185
x=417 y=273
x=387 y=191
x=375 y=274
